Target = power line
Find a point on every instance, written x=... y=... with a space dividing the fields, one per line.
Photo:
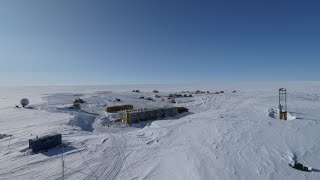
x=9 y=141
x=29 y=164
x=62 y=161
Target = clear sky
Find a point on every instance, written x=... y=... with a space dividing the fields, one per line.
x=58 y=42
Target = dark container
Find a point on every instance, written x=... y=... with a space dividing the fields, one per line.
x=45 y=142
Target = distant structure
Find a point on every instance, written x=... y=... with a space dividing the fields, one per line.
x=45 y=142
x=171 y=100
x=76 y=104
x=283 y=103
x=24 y=102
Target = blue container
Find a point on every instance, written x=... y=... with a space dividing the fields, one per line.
x=142 y=116
x=45 y=142
x=160 y=113
x=132 y=117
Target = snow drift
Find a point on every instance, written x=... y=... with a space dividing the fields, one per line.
x=274 y=113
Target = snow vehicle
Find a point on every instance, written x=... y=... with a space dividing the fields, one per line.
x=81 y=100
x=76 y=104
x=300 y=167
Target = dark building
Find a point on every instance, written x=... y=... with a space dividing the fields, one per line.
x=136 y=115
x=45 y=142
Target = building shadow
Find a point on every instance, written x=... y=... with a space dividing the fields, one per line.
x=72 y=110
x=302 y=118
x=297 y=113
x=30 y=107
x=142 y=124
x=90 y=113
x=306 y=119
x=58 y=150
x=315 y=170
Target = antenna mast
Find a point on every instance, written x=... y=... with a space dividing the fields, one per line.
x=283 y=103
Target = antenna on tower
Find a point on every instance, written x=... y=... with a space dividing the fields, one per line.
x=283 y=103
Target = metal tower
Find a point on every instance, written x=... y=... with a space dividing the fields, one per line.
x=283 y=103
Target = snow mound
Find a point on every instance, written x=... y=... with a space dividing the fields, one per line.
x=105 y=121
x=274 y=113
x=85 y=122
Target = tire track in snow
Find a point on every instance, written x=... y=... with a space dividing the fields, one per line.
x=108 y=169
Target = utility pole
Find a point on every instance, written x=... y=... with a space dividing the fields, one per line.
x=62 y=161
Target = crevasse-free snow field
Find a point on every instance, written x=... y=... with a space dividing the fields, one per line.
x=225 y=136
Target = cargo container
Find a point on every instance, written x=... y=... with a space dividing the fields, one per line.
x=45 y=142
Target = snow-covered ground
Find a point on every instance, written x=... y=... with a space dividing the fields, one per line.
x=225 y=136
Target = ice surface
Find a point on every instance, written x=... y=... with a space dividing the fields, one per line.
x=225 y=136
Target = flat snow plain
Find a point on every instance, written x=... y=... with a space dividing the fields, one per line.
x=225 y=136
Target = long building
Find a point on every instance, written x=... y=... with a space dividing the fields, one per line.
x=136 y=115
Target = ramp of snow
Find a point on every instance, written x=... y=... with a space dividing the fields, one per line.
x=85 y=122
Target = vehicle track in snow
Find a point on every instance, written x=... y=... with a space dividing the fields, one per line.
x=108 y=169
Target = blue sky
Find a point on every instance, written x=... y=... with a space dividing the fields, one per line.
x=70 y=42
